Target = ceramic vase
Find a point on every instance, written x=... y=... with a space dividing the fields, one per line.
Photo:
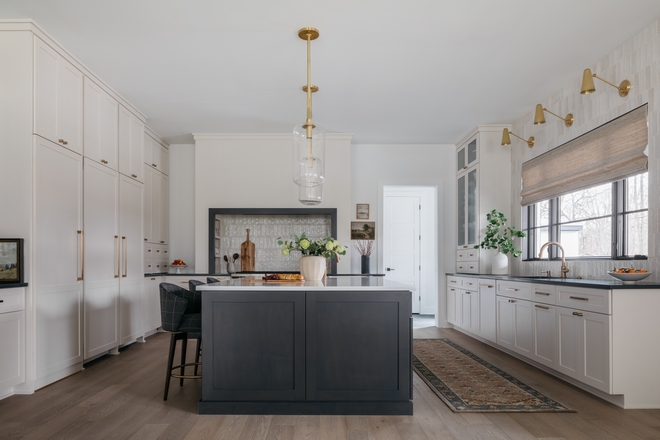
x=500 y=264
x=312 y=268
x=366 y=264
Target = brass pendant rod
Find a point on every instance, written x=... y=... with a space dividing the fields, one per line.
x=529 y=142
x=553 y=114
x=309 y=124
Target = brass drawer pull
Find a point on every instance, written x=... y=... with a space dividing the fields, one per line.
x=511 y=288
x=542 y=293
x=103 y=161
x=452 y=281
x=153 y=279
x=63 y=142
x=512 y=300
x=2 y=300
x=541 y=307
x=452 y=290
x=162 y=241
x=134 y=176
x=464 y=247
x=579 y=297
x=154 y=165
x=467 y=293
x=577 y=314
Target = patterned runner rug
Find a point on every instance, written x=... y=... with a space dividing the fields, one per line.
x=467 y=383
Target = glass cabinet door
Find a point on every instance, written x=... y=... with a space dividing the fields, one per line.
x=460 y=159
x=472 y=152
x=460 y=196
x=472 y=208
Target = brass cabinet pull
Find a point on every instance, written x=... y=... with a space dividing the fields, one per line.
x=452 y=290
x=82 y=256
x=134 y=176
x=125 y=274
x=579 y=297
x=162 y=241
x=2 y=300
x=472 y=255
x=512 y=300
x=63 y=142
x=577 y=314
x=154 y=165
x=153 y=279
x=542 y=293
x=145 y=239
x=118 y=256
x=451 y=281
x=184 y=282
x=541 y=307
x=148 y=265
x=157 y=250
x=467 y=293
x=464 y=247
x=471 y=267
x=511 y=288
x=149 y=250
x=164 y=252
x=465 y=167
x=104 y=161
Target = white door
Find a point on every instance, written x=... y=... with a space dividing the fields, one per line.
x=58 y=270
x=132 y=273
x=505 y=322
x=101 y=258
x=131 y=145
x=487 y=311
x=101 y=125
x=148 y=202
x=545 y=324
x=401 y=242
x=523 y=327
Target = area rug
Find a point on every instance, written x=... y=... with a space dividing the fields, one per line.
x=467 y=383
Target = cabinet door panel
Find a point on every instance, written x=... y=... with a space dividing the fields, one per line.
x=488 y=311
x=544 y=334
x=597 y=351
x=70 y=103
x=131 y=145
x=101 y=125
x=472 y=207
x=568 y=339
x=523 y=327
x=164 y=213
x=12 y=347
x=461 y=221
x=45 y=90
x=466 y=310
x=451 y=305
x=148 y=203
x=156 y=203
x=505 y=322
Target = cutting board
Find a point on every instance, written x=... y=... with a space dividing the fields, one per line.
x=247 y=254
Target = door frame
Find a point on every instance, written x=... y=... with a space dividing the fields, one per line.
x=431 y=258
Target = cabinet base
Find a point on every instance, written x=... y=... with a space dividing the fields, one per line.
x=308 y=408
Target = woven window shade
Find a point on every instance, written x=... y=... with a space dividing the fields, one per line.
x=608 y=153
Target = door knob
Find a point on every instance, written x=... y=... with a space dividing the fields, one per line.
x=388 y=269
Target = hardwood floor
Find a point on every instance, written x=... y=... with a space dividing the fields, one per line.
x=120 y=397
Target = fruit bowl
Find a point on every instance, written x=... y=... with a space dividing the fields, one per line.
x=629 y=278
x=178 y=264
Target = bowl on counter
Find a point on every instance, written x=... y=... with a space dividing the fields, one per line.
x=629 y=278
x=178 y=267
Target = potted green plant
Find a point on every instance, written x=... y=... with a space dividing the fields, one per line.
x=500 y=237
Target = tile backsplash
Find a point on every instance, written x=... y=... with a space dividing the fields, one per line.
x=230 y=233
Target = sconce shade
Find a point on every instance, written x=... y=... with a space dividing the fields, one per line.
x=587 y=83
x=308 y=156
x=539 y=117
x=506 y=139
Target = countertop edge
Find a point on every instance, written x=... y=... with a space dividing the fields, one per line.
x=573 y=282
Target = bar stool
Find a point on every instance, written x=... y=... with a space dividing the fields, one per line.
x=181 y=315
x=210 y=280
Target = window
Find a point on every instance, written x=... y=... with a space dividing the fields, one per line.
x=605 y=221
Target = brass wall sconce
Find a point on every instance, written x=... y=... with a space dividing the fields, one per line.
x=506 y=140
x=589 y=87
x=539 y=118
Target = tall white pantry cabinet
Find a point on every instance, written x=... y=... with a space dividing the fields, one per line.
x=72 y=179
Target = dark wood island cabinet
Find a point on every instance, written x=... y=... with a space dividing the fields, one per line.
x=343 y=346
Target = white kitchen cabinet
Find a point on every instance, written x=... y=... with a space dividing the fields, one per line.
x=584 y=347
x=58 y=98
x=470 y=311
x=164 y=209
x=514 y=324
x=505 y=322
x=12 y=338
x=131 y=145
x=156 y=154
x=156 y=207
x=148 y=173
x=483 y=167
x=58 y=268
x=488 y=310
x=452 y=295
x=156 y=203
x=544 y=334
x=151 y=304
x=100 y=125
x=102 y=258
x=132 y=258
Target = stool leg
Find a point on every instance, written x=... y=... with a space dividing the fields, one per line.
x=184 y=346
x=197 y=352
x=170 y=362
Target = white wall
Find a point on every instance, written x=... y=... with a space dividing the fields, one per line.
x=254 y=171
x=423 y=165
x=637 y=60
x=182 y=202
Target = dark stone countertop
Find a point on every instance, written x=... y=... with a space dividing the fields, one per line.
x=12 y=285
x=574 y=282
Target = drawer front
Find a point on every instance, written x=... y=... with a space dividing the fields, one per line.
x=149 y=250
x=467 y=255
x=12 y=300
x=453 y=281
x=471 y=284
x=544 y=293
x=593 y=300
x=467 y=267
x=514 y=290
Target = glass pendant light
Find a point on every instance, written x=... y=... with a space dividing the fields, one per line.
x=309 y=141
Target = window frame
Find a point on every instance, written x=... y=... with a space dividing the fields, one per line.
x=619 y=227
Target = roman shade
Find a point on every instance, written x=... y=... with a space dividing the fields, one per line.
x=608 y=153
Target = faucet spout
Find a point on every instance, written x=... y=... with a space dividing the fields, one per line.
x=564 y=268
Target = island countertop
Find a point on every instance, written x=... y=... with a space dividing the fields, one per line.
x=330 y=283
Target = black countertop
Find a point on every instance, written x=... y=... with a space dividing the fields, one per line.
x=12 y=285
x=575 y=282
x=238 y=274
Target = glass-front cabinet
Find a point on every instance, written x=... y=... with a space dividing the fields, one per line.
x=466 y=155
x=467 y=195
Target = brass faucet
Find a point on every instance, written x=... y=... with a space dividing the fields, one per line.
x=564 y=268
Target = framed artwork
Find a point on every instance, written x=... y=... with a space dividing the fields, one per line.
x=363 y=230
x=362 y=211
x=11 y=260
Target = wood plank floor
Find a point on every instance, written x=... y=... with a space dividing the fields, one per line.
x=120 y=397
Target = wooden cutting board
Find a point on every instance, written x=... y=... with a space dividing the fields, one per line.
x=247 y=254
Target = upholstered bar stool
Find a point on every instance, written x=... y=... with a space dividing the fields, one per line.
x=192 y=285
x=181 y=315
x=210 y=280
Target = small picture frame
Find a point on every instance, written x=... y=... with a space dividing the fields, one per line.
x=362 y=211
x=11 y=260
x=363 y=230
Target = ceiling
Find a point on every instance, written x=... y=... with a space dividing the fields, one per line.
x=390 y=72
